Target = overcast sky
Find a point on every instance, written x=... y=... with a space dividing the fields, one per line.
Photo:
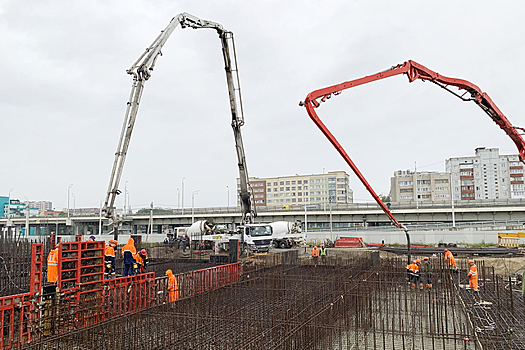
x=64 y=91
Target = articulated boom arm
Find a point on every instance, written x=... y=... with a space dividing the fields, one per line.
x=414 y=71
x=141 y=71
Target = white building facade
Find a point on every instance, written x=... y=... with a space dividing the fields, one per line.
x=487 y=175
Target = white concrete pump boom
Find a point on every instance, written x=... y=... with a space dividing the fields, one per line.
x=141 y=71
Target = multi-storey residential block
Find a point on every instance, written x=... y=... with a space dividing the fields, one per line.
x=419 y=187
x=333 y=187
x=41 y=205
x=487 y=175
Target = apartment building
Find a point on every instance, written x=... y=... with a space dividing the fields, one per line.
x=487 y=175
x=420 y=187
x=332 y=187
x=41 y=205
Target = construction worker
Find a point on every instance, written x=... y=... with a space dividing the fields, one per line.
x=91 y=239
x=128 y=252
x=449 y=259
x=315 y=253
x=109 y=259
x=426 y=269
x=323 y=253
x=418 y=275
x=142 y=260
x=173 y=289
x=413 y=273
x=473 y=276
x=52 y=265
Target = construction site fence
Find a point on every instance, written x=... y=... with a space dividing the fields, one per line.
x=29 y=317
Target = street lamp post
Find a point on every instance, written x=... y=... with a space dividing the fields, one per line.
x=27 y=217
x=178 y=198
x=228 y=196
x=305 y=227
x=100 y=218
x=330 y=205
x=9 y=204
x=193 y=205
x=68 y=196
x=324 y=192
x=125 y=196
x=182 y=192
x=74 y=211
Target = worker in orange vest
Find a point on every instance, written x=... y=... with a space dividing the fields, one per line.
x=473 y=276
x=128 y=253
x=52 y=265
x=173 y=290
x=315 y=253
x=109 y=259
x=413 y=273
x=449 y=259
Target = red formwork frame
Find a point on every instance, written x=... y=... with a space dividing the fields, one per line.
x=104 y=298
x=18 y=313
x=80 y=278
x=200 y=281
x=129 y=294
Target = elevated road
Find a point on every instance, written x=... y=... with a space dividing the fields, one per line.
x=343 y=217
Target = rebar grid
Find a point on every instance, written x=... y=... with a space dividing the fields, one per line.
x=347 y=305
x=15 y=265
x=497 y=310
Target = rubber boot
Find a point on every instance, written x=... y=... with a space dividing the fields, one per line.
x=429 y=286
x=413 y=286
x=421 y=286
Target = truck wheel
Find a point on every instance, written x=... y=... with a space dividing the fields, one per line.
x=275 y=244
x=282 y=245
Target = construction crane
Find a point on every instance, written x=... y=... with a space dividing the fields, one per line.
x=466 y=91
x=141 y=71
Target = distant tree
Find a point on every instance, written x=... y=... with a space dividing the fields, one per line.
x=155 y=211
x=385 y=199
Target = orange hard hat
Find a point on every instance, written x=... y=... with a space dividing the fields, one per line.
x=418 y=261
x=446 y=250
x=315 y=246
x=425 y=258
x=471 y=261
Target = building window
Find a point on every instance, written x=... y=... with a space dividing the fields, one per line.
x=299 y=193
x=293 y=182
x=275 y=183
x=299 y=187
x=340 y=179
x=281 y=189
x=269 y=190
x=305 y=187
x=293 y=188
x=268 y=184
x=288 y=188
x=287 y=182
x=293 y=200
x=281 y=183
x=299 y=199
x=299 y=182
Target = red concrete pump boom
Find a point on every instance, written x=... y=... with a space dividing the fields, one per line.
x=414 y=71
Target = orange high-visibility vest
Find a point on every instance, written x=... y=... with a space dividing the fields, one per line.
x=110 y=251
x=173 y=289
x=52 y=266
x=315 y=252
x=473 y=272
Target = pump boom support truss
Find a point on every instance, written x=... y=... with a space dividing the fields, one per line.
x=141 y=71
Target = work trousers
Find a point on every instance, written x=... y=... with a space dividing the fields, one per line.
x=128 y=269
x=473 y=282
x=109 y=271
